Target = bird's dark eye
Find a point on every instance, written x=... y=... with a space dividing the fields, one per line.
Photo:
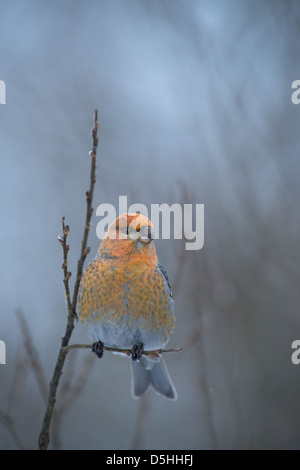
x=127 y=231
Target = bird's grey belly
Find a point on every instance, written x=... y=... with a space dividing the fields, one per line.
x=124 y=337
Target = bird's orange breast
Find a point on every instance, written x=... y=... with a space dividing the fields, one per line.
x=127 y=293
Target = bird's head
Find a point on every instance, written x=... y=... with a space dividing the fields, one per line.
x=129 y=234
x=135 y=227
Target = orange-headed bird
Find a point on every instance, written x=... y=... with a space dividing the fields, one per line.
x=125 y=301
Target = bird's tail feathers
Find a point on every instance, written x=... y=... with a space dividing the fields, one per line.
x=149 y=372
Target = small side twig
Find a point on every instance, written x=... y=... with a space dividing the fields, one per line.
x=127 y=352
x=44 y=434
x=67 y=274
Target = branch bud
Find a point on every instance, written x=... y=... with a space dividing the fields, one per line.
x=86 y=251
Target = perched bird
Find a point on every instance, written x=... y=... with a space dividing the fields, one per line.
x=125 y=301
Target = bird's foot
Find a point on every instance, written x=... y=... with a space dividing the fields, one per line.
x=137 y=352
x=97 y=348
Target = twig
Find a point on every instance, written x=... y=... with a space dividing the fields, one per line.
x=127 y=352
x=89 y=212
x=67 y=274
x=44 y=434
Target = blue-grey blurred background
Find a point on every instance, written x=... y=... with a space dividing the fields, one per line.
x=194 y=102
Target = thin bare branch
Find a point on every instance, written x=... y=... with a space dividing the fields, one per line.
x=44 y=435
x=67 y=274
x=127 y=352
x=89 y=212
